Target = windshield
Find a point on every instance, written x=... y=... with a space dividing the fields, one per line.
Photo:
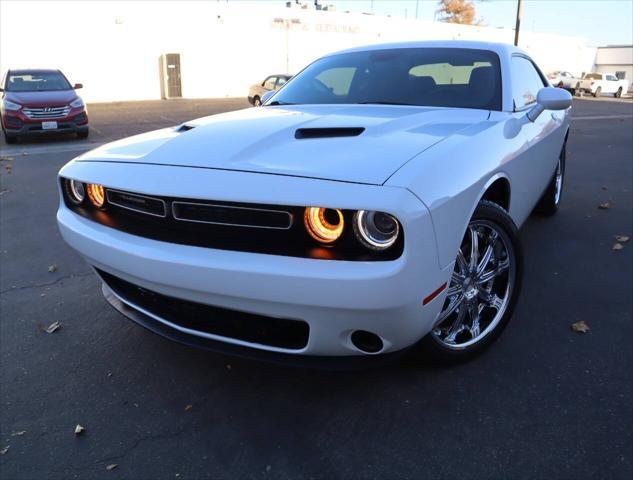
x=441 y=77
x=36 y=82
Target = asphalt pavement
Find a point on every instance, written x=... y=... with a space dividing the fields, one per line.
x=543 y=402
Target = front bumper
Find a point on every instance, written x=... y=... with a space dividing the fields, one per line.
x=17 y=124
x=335 y=298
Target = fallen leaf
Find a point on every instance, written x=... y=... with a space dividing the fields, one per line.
x=4 y=450
x=580 y=327
x=79 y=429
x=52 y=268
x=605 y=206
x=112 y=466
x=188 y=407
x=53 y=327
x=622 y=238
x=617 y=246
x=18 y=434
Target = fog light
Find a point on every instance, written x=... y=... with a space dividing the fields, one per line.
x=325 y=225
x=376 y=230
x=96 y=195
x=75 y=191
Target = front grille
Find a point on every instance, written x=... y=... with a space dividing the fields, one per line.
x=242 y=227
x=247 y=327
x=46 y=112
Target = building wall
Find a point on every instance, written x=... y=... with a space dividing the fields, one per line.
x=616 y=59
x=113 y=47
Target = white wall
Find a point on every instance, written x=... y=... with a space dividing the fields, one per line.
x=113 y=47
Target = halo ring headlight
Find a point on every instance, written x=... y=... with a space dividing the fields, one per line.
x=376 y=230
x=325 y=225
x=75 y=191
x=96 y=194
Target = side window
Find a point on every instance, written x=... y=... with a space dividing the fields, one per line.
x=269 y=83
x=526 y=82
x=337 y=79
x=611 y=78
x=281 y=81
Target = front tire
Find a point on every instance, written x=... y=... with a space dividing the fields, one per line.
x=618 y=94
x=257 y=102
x=483 y=290
x=550 y=201
x=598 y=92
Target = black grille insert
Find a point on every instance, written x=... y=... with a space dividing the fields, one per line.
x=137 y=203
x=229 y=215
x=248 y=327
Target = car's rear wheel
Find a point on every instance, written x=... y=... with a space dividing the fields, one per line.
x=257 y=102
x=483 y=289
x=618 y=94
x=598 y=92
x=549 y=202
x=577 y=90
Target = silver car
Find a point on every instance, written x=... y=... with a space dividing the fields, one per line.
x=271 y=83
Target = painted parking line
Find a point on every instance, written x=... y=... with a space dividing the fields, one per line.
x=16 y=150
x=602 y=117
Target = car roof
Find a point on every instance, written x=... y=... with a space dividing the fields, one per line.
x=25 y=71
x=499 y=48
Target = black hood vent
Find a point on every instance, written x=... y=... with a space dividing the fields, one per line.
x=328 y=132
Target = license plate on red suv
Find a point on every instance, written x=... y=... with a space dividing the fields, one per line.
x=49 y=125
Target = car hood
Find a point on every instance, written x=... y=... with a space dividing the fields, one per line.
x=42 y=99
x=298 y=140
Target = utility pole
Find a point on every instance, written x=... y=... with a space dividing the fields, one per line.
x=517 y=26
x=416 y=8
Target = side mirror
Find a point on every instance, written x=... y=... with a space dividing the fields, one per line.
x=78 y=86
x=549 y=98
x=267 y=96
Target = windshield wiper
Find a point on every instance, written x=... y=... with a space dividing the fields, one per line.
x=279 y=102
x=378 y=102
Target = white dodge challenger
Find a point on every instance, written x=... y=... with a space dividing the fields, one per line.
x=371 y=204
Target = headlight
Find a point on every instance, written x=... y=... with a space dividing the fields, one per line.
x=75 y=191
x=376 y=230
x=96 y=194
x=10 y=105
x=78 y=102
x=325 y=225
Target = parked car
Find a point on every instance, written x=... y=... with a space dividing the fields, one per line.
x=270 y=84
x=370 y=205
x=564 y=79
x=41 y=101
x=599 y=83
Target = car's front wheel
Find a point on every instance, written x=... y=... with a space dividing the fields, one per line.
x=598 y=92
x=257 y=102
x=549 y=202
x=484 y=287
x=618 y=94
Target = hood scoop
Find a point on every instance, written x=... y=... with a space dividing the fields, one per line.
x=328 y=132
x=184 y=128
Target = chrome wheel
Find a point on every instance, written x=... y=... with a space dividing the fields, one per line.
x=558 y=179
x=480 y=289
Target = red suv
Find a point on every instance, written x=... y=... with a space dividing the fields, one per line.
x=40 y=101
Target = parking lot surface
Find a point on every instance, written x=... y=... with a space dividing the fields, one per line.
x=543 y=402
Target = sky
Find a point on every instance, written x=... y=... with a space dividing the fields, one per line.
x=602 y=22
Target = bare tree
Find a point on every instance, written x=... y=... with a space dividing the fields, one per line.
x=457 y=11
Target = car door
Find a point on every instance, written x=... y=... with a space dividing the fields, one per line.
x=541 y=139
x=611 y=84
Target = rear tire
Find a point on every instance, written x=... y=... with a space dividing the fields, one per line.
x=257 y=102
x=485 y=284
x=618 y=94
x=549 y=202
x=598 y=92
